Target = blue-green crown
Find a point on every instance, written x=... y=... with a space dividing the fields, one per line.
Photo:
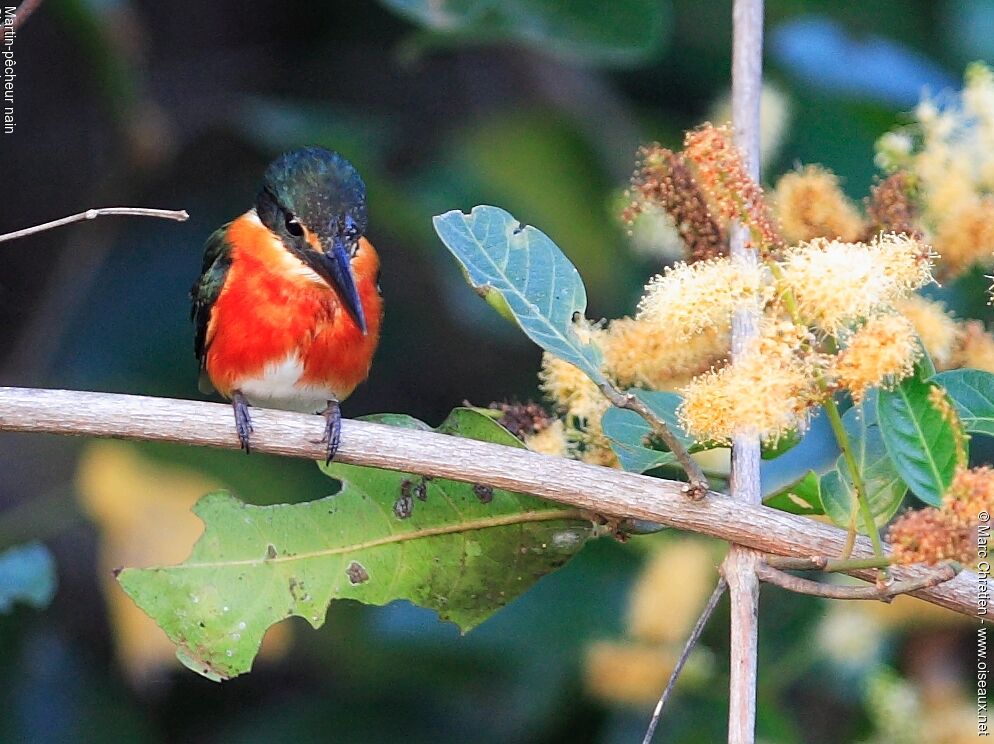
x=319 y=187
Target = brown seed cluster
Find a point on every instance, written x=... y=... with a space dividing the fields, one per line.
x=889 y=207
x=522 y=419
x=933 y=535
x=662 y=179
x=722 y=174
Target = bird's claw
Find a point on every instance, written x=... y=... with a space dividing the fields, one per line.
x=332 y=430
x=243 y=421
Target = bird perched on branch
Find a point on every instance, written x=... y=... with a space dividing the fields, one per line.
x=287 y=307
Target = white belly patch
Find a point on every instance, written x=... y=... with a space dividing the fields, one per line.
x=279 y=386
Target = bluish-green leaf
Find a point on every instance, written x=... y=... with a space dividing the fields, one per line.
x=519 y=269
x=920 y=441
x=627 y=432
x=464 y=550
x=27 y=575
x=631 y=32
x=630 y=434
x=885 y=489
x=972 y=391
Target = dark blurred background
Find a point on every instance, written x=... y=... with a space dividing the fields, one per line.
x=533 y=105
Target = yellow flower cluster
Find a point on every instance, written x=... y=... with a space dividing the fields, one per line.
x=689 y=298
x=938 y=330
x=881 y=353
x=769 y=391
x=949 y=151
x=583 y=404
x=642 y=353
x=976 y=349
x=837 y=283
x=846 y=281
x=810 y=204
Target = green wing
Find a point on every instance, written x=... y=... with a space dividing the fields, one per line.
x=205 y=291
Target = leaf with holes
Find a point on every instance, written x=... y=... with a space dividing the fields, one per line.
x=520 y=271
x=920 y=441
x=884 y=488
x=464 y=550
x=972 y=391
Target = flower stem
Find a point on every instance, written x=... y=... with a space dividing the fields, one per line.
x=838 y=429
x=842 y=438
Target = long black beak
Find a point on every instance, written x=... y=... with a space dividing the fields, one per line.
x=335 y=267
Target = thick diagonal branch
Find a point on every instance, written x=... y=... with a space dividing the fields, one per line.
x=597 y=489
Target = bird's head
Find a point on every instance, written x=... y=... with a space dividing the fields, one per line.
x=315 y=201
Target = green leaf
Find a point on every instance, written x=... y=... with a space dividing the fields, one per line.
x=630 y=434
x=27 y=575
x=885 y=489
x=520 y=269
x=802 y=497
x=918 y=438
x=972 y=391
x=782 y=446
x=631 y=32
x=461 y=549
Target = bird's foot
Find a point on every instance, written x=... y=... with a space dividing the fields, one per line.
x=243 y=421
x=332 y=429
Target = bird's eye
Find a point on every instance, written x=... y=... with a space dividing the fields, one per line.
x=294 y=227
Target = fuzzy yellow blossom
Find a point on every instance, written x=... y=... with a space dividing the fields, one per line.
x=882 y=352
x=907 y=263
x=937 y=329
x=770 y=391
x=945 y=174
x=549 y=441
x=978 y=105
x=932 y=535
x=640 y=353
x=966 y=236
x=686 y=299
x=836 y=283
x=570 y=389
x=976 y=350
x=597 y=450
x=810 y=204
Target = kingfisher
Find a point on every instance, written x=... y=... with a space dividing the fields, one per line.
x=287 y=307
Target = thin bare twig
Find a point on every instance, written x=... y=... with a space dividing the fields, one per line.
x=698 y=486
x=91 y=214
x=884 y=593
x=597 y=489
x=695 y=636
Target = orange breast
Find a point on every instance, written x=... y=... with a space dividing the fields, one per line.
x=273 y=309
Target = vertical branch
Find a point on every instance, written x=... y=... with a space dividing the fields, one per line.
x=740 y=564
